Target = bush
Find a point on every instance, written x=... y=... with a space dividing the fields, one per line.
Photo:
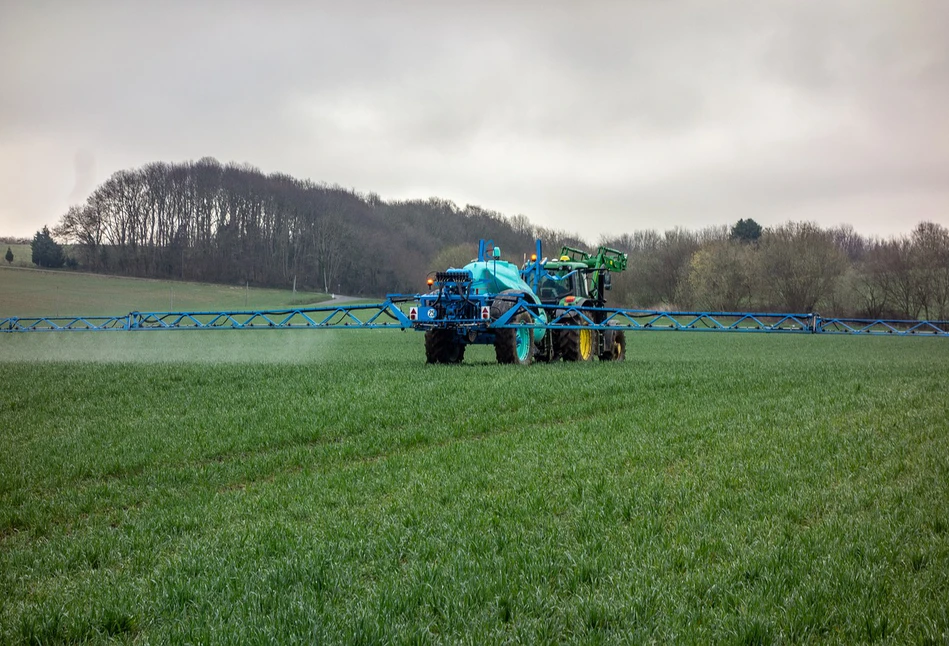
x=46 y=251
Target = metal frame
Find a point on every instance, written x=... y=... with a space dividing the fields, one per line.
x=382 y=315
x=697 y=321
x=389 y=315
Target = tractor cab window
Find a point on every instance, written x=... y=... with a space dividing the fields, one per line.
x=582 y=288
x=552 y=289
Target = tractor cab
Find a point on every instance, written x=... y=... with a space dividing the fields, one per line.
x=574 y=273
x=560 y=280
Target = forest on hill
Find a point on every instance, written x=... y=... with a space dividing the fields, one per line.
x=231 y=223
x=205 y=221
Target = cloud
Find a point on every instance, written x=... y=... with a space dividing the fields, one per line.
x=592 y=117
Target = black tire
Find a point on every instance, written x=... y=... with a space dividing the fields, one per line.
x=515 y=346
x=575 y=345
x=615 y=349
x=443 y=346
x=512 y=345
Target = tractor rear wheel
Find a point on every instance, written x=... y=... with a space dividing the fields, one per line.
x=615 y=347
x=575 y=345
x=443 y=346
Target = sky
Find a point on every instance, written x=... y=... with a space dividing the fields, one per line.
x=599 y=118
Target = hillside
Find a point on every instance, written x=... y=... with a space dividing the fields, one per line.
x=232 y=224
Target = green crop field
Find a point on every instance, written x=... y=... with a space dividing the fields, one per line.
x=329 y=487
x=33 y=292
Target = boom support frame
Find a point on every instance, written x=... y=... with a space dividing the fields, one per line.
x=391 y=314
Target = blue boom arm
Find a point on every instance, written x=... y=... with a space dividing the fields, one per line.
x=396 y=313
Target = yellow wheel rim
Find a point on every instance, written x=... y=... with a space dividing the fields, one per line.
x=586 y=344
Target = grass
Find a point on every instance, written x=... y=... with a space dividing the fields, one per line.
x=32 y=292
x=331 y=487
x=22 y=255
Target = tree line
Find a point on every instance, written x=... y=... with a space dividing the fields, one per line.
x=796 y=267
x=205 y=221
x=231 y=223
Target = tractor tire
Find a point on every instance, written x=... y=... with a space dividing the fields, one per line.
x=515 y=345
x=443 y=346
x=615 y=346
x=575 y=345
x=512 y=345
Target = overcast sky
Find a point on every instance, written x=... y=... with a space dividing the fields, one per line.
x=596 y=117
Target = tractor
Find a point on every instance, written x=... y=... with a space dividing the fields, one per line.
x=492 y=301
x=576 y=281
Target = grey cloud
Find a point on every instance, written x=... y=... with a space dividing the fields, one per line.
x=701 y=111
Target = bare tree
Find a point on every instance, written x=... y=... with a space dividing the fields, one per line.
x=872 y=282
x=801 y=265
x=83 y=226
x=897 y=271
x=668 y=266
x=930 y=258
x=721 y=276
x=331 y=237
x=849 y=242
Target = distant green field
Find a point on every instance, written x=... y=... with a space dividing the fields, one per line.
x=26 y=292
x=22 y=255
x=329 y=487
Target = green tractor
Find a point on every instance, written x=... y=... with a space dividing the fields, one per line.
x=577 y=279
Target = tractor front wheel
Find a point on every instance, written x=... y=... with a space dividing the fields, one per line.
x=615 y=346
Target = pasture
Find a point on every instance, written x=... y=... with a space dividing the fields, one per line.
x=22 y=255
x=36 y=292
x=329 y=487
